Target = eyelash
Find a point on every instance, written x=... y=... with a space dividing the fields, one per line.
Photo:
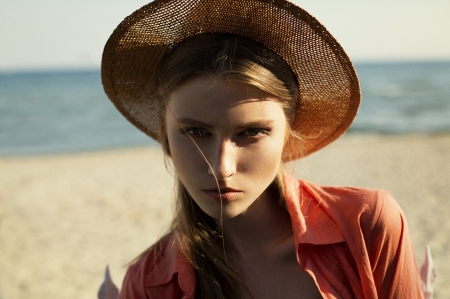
x=260 y=133
x=202 y=133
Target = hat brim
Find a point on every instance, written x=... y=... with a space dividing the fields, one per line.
x=328 y=85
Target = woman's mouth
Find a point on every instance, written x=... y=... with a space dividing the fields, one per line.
x=225 y=194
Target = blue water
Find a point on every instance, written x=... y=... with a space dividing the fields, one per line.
x=54 y=112
x=404 y=98
x=60 y=112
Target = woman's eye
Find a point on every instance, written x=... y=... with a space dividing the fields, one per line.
x=197 y=132
x=255 y=132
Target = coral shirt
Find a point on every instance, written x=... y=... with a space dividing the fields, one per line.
x=354 y=242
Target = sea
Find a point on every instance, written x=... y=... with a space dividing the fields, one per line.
x=53 y=112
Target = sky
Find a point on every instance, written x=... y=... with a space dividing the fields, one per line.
x=68 y=34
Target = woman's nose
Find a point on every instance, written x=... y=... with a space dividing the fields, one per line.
x=223 y=160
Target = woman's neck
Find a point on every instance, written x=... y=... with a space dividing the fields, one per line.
x=263 y=230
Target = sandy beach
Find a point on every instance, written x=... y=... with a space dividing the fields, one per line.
x=63 y=218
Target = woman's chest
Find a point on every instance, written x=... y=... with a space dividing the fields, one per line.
x=284 y=280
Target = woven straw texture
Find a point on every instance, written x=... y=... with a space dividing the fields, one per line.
x=328 y=85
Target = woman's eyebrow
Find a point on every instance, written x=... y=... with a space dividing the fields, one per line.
x=255 y=124
x=242 y=125
x=193 y=122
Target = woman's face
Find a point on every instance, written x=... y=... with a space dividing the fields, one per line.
x=239 y=129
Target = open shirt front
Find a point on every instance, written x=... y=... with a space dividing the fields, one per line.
x=354 y=242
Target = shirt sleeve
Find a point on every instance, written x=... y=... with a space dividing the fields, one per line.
x=391 y=252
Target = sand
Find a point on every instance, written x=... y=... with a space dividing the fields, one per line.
x=63 y=218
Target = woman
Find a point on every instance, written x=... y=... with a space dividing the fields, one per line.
x=231 y=90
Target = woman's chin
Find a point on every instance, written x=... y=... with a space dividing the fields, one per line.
x=228 y=211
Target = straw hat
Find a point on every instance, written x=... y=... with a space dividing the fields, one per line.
x=328 y=85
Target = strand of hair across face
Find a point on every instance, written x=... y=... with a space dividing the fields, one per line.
x=218 y=188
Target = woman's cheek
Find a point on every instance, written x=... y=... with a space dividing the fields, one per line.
x=265 y=159
x=183 y=153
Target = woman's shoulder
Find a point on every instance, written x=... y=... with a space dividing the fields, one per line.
x=153 y=258
x=372 y=210
x=160 y=270
x=143 y=272
x=366 y=226
x=365 y=201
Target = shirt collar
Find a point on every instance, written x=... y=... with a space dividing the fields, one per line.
x=307 y=207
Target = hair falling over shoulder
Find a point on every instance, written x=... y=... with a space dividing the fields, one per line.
x=238 y=59
x=200 y=240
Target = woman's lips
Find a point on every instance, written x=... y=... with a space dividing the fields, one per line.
x=224 y=195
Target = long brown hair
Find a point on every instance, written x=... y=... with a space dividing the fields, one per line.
x=233 y=58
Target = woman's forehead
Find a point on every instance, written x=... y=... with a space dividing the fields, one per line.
x=212 y=90
x=212 y=100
